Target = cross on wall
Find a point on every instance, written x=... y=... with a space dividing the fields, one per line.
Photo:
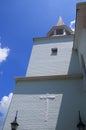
x=46 y=98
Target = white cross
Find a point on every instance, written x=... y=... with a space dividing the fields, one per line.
x=47 y=97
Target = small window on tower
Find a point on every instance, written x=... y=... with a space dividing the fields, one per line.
x=53 y=51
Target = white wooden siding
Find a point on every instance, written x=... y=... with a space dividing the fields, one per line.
x=62 y=111
x=43 y=63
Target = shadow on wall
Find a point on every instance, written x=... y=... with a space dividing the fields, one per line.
x=73 y=100
x=74 y=66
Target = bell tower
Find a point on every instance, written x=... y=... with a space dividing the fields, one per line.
x=60 y=29
x=48 y=53
x=51 y=94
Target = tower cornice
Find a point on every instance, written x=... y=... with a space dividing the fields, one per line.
x=51 y=77
x=53 y=37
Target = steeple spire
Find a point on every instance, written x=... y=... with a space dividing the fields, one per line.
x=60 y=22
x=60 y=29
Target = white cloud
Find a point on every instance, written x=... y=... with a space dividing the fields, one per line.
x=4 y=105
x=4 y=52
x=72 y=25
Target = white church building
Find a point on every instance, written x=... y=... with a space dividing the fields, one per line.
x=52 y=95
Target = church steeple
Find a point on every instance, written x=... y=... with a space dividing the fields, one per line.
x=60 y=21
x=60 y=29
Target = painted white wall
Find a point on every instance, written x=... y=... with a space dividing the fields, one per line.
x=43 y=63
x=62 y=111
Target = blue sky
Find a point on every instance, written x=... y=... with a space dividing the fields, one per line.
x=20 y=21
